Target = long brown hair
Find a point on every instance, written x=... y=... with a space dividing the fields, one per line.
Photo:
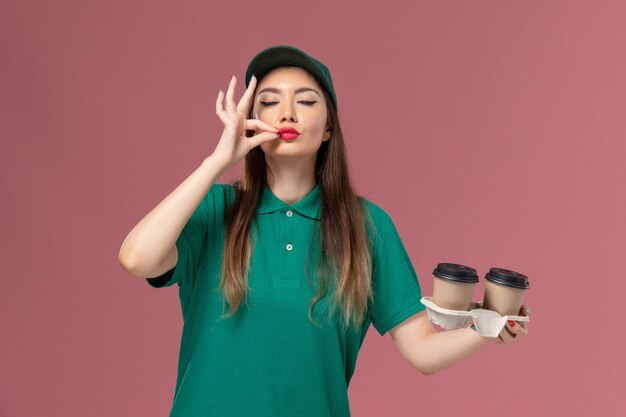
x=345 y=265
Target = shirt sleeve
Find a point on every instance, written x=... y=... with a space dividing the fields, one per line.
x=397 y=292
x=191 y=241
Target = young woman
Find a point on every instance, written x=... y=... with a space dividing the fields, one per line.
x=281 y=272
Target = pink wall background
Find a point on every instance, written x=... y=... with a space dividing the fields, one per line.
x=492 y=132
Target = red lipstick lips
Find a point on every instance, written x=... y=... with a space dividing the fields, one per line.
x=288 y=133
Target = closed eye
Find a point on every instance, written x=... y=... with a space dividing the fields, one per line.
x=270 y=103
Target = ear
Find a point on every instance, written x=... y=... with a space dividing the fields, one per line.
x=327 y=134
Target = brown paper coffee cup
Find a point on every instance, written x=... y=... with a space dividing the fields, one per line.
x=505 y=291
x=454 y=286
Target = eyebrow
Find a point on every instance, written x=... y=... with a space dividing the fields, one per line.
x=276 y=90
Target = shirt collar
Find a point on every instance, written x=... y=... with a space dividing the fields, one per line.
x=309 y=205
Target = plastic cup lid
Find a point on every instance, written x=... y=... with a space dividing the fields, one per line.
x=457 y=273
x=507 y=277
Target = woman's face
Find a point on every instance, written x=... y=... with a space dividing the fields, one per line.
x=290 y=97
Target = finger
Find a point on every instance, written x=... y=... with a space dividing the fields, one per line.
x=519 y=329
x=256 y=140
x=522 y=311
x=253 y=124
x=507 y=338
x=522 y=332
x=244 y=104
x=515 y=329
x=230 y=94
x=219 y=107
x=508 y=326
x=522 y=324
x=497 y=340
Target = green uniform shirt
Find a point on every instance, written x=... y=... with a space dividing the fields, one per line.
x=269 y=360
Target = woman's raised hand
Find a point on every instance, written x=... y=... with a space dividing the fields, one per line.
x=234 y=144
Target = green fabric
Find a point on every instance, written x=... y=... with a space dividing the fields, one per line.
x=270 y=360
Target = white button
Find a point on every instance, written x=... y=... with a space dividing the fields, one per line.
x=289 y=246
x=289 y=213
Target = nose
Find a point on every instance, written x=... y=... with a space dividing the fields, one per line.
x=287 y=113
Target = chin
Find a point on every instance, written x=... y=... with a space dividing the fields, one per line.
x=297 y=147
x=290 y=150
